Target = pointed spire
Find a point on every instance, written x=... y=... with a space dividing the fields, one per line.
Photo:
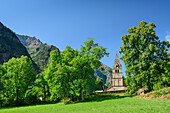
x=116 y=61
x=116 y=56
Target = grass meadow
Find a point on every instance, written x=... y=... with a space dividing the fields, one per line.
x=99 y=104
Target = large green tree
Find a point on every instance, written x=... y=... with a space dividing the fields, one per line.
x=19 y=74
x=60 y=73
x=71 y=72
x=88 y=60
x=145 y=57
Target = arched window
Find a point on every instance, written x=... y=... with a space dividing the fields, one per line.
x=117 y=66
x=116 y=71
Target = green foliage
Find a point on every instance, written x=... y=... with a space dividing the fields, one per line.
x=166 y=75
x=88 y=60
x=60 y=72
x=18 y=75
x=41 y=86
x=41 y=54
x=10 y=46
x=159 y=94
x=31 y=95
x=70 y=73
x=99 y=83
x=105 y=72
x=145 y=57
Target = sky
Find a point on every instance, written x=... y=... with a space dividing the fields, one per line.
x=71 y=22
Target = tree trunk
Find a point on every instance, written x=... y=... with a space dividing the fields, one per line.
x=17 y=95
x=82 y=95
x=103 y=88
x=149 y=84
x=44 y=93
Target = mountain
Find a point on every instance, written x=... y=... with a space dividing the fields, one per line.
x=39 y=52
x=105 y=72
x=10 y=46
x=28 y=41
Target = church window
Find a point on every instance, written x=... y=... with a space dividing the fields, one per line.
x=117 y=71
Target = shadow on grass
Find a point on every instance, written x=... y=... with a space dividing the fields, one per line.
x=42 y=103
x=100 y=98
x=91 y=98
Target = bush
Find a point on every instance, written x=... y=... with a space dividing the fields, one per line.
x=157 y=86
x=31 y=96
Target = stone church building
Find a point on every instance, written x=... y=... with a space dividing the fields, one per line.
x=117 y=78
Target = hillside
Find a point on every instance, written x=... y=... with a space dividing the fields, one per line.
x=10 y=46
x=105 y=72
x=39 y=52
x=159 y=94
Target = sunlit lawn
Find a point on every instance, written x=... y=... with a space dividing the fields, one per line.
x=121 y=104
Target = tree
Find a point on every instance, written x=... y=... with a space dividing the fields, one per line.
x=60 y=73
x=71 y=73
x=166 y=74
x=2 y=72
x=41 y=86
x=87 y=62
x=99 y=83
x=19 y=74
x=144 y=56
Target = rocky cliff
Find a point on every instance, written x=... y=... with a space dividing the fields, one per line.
x=10 y=46
x=28 y=41
x=39 y=52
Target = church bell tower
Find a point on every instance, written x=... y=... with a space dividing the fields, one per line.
x=117 y=78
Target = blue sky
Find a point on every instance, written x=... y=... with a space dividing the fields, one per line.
x=70 y=22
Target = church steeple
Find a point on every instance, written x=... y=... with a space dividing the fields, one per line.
x=116 y=56
x=117 y=78
x=116 y=64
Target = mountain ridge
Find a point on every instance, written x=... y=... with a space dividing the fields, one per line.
x=41 y=54
x=10 y=46
x=28 y=41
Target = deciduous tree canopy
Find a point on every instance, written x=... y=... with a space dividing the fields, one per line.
x=16 y=76
x=145 y=57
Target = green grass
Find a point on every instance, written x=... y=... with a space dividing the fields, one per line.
x=99 y=104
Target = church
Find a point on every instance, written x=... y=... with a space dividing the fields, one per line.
x=117 y=78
